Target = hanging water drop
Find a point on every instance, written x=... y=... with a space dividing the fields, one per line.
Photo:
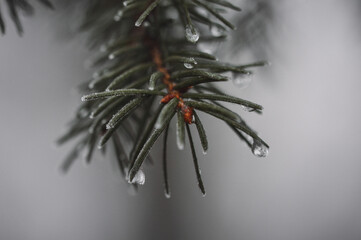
x=193 y=118
x=204 y=151
x=167 y=194
x=259 y=149
x=216 y=31
x=139 y=178
x=109 y=126
x=242 y=80
x=202 y=12
x=192 y=34
x=180 y=140
x=247 y=109
x=92 y=84
x=207 y=47
x=153 y=80
x=111 y=56
x=118 y=16
x=180 y=145
x=92 y=115
x=158 y=125
x=190 y=63
x=83 y=112
x=146 y=24
x=96 y=74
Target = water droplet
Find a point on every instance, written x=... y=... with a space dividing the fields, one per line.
x=139 y=178
x=111 y=56
x=111 y=123
x=248 y=137
x=207 y=47
x=91 y=129
x=96 y=74
x=118 y=16
x=202 y=11
x=146 y=24
x=166 y=194
x=259 y=149
x=192 y=34
x=83 y=112
x=216 y=31
x=180 y=145
x=247 y=109
x=190 y=64
x=204 y=151
x=91 y=84
x=158 y=125
x=126 y=170
x=242 y=80
x=152 y=82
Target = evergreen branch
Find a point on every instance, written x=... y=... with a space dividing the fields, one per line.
x=142 y=65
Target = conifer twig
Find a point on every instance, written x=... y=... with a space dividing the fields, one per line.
x=145 y=63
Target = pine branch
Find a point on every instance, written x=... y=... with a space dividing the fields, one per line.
x=144 y=61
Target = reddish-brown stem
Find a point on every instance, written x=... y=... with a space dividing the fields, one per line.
x=172 y=93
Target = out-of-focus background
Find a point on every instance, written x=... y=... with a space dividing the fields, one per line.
x=308 y=188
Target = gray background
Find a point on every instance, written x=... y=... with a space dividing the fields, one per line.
x=308 y=187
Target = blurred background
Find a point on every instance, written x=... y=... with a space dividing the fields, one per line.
x=309 y=187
